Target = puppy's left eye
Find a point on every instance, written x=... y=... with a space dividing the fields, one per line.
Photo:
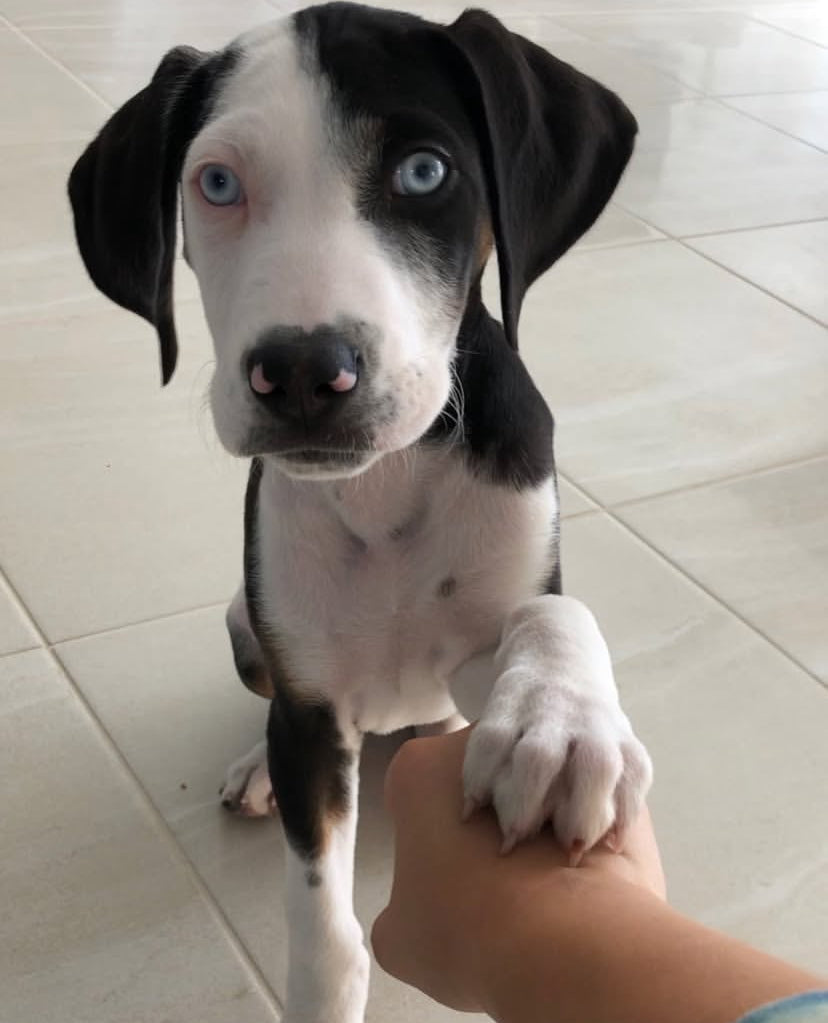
x=219 y=185
x=419 y=174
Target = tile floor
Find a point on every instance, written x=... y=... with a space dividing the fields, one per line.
x=683 y=348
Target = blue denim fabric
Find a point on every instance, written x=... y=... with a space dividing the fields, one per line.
x=811 y=1007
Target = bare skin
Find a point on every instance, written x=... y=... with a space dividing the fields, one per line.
x=528 y=939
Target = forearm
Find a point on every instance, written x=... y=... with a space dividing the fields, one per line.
x=630 y=959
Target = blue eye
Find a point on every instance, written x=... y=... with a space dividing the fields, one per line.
x=419 y=174
x=219 y=185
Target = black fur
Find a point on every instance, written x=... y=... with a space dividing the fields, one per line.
x=549 y=143
x=534 y=146
x=307 y=759
x=308 y=766
x=124 y=188
x=507 y=427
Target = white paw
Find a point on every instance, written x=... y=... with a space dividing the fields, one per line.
x=548 y=750
x=247 y=789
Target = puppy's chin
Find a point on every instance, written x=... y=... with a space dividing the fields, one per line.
x=323 y=465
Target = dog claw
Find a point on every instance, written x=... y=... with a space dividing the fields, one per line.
x=509 y=842
x=469 y=806
x=576 y=852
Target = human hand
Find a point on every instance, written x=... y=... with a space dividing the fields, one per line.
x=454 y=896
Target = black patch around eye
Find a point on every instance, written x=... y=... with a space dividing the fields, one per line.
x=388 y=70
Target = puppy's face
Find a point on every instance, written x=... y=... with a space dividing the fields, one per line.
x=335 y=221
x=343 y=176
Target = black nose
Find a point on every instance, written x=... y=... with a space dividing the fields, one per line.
x=305 y=377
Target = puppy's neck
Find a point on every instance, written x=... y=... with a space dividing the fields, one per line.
x=386 y=504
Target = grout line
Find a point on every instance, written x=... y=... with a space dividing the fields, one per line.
x=684 y=239
x=771 y=92
x=719 y=601
x=785 y=31
x=743 y=230
x=722 y=101
x=163 y=829
x=138 y=622
x=9 y=590
x=21 y=34
x=717 y=481
x=754 y=284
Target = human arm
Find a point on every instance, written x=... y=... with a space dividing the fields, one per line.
x=527 y=939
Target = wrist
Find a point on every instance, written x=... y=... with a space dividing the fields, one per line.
x=557 y=958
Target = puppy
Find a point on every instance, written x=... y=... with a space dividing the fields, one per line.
x=343 y=176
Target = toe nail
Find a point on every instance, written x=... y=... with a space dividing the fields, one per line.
x=576 y=852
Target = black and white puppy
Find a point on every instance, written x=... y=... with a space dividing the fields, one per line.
x=344 y=175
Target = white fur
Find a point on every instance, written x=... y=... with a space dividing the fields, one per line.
x=360 y=612
x=297 y=253
x=328 y=963
x=389 y=591
x=553 y=743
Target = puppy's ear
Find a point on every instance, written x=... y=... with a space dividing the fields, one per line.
x=554 y=144
x=124 y=190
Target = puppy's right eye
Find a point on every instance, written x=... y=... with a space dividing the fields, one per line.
x=220 y=186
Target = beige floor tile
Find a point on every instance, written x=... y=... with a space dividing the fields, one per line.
x=34 y=207
x=117 y=61
x=719 y=53
x=101 y=922
x=39 y=102
x=136 y=509
x=16 y=632
x=789 y=261
x=636 y=82
x=136 y=15
x=761 y=545
x=664 y=370
x=616 y=227
x=701 y=167
x=737 y=737
x=181 y=716
x=42 y=275
x=803 y=114
x=808 y=20
x=178 y=715
x=573 y=500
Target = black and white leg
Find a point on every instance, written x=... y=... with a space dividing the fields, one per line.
x=314 y=767
x=553 y=743
x=247 y=789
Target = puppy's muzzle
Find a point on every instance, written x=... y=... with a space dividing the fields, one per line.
x=307 y=380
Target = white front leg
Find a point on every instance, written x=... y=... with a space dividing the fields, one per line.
x=328 y=963
x=553 y=743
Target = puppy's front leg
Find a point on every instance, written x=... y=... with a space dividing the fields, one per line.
x=314 y=770
x=553 y=743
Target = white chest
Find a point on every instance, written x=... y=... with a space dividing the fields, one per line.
x=380 y=587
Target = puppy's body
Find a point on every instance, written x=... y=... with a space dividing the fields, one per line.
x=343 y=175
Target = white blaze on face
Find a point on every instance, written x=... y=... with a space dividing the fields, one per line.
x=297 y=253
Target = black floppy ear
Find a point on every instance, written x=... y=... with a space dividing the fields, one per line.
x=124 y=190
x=554 y=144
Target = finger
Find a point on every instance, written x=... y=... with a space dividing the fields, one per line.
x=380 y=938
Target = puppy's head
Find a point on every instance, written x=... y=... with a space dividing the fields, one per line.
x=342 y=175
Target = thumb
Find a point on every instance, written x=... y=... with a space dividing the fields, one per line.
x=384 y=942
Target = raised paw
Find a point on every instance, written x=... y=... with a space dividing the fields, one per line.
x=543 y=752
x=247 y=789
